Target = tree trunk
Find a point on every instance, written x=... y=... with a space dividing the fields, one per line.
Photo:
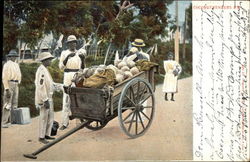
x=107 y=53
x=39 y=48
x=184 y=38
x=24 y=49
x=177 y=35
x=19 y=49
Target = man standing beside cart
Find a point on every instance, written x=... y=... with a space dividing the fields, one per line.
x=45 y=88
x=11 y=77
x=71 y=61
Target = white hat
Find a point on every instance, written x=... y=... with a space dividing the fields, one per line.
x=44 y=56
x=71 y=38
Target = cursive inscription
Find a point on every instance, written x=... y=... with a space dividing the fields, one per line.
x=221 y=81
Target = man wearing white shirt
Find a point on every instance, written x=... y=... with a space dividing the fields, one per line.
x=45 y=88
x=136 y=49
x=11 y=77
x=71 y=61
x=137 y=53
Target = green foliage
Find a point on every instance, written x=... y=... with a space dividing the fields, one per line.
x=90 y=60
x=30 y=20
x=27 y=86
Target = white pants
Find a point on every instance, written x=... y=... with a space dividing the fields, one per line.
x=46 y=120
x=67 y=81
x=10 y=103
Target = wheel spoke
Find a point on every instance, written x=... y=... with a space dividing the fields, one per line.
x=145 y=98
x=145 y=115
x=130 y=124
x=136 y=124
x=128 y=115
x=145 y=86
x=133 y=94
x=148 y=107
x=141 y=120
x=130 y=100
x=137 y=95
x=126 y=108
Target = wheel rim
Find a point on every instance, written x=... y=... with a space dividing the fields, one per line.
x=135 y=117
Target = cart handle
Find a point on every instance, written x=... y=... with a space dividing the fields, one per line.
x=45 y=147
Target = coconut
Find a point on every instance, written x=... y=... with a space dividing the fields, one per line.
x=85 y=71
x=102 y=66
x=134 y=70
x=121 y=64
x=119 y=78
x=112 y=67
x=117 y=62
x=120 y=72
x=128 y=74
x=131 y=58
x=131 y=64
x=125 y=68
x=89 y=72
x=99 y=70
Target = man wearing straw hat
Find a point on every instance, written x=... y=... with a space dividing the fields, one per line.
x=11 y=77
x=137 y=49
x=71 y=61
x=45 y=88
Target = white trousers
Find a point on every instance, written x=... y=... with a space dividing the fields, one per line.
x=46 y=120
x=67 y=81
x=10 y=103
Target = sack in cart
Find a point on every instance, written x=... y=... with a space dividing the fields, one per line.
x=99 y=80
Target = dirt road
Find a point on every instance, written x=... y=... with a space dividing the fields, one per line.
x=169 y=137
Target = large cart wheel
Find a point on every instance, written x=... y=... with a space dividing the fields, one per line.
x=136 y=107
x=95 y=125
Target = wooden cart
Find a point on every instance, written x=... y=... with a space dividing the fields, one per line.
x=132 y=101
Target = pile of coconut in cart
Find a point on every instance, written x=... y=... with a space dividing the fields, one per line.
x=99 y=76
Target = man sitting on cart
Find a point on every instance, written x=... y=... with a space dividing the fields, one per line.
x=136 y=49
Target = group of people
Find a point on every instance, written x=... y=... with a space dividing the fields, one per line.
x=71 y=61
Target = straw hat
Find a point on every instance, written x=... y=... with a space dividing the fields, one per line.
x=138 y=43
x=71 y=38
x=12 y=53
x=45 y=55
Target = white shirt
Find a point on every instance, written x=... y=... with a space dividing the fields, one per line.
x=11 y=71
x=132 y=57
x=44 y=85
x=73 y=62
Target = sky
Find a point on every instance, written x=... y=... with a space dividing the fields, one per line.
x=182 y=5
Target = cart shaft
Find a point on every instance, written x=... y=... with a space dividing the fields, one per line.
x=45 y=147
